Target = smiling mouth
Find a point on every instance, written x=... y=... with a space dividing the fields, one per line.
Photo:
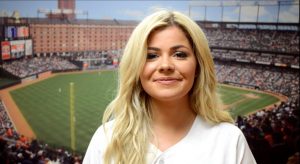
x=167 y=80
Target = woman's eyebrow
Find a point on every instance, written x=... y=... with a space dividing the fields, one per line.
x=153 y=48
x=172 y=48
x=178 y=46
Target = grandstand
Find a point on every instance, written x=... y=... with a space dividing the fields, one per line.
x=256 y=58
x=254 y=55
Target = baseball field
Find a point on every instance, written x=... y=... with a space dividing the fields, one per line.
x=46 y=105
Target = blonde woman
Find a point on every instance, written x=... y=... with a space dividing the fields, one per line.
x=167 y=110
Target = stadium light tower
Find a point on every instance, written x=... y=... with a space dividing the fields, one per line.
x=257 y=14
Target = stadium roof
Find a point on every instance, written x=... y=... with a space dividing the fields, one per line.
x=251 y=25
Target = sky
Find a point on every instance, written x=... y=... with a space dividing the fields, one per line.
x=138 y=9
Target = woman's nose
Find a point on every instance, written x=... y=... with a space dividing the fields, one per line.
x=166 y=65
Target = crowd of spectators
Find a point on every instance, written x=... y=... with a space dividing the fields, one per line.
x=5 y=122
x=91 y=55
x=261 y=40
x=256 y=57
x=33 y=65
x=15 y=148
x=265 y=78
x=273 y=135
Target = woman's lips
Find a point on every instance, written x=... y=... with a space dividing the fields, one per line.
x=167 y=80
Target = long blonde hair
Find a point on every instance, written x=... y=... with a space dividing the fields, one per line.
x=131 y=110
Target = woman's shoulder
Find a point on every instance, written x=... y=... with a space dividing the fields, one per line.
x=226 y=126
x=105 y=130
x=225 y=132
x=223 y=127
x=98 y=143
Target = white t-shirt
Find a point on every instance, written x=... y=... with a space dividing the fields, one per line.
x=223 y=143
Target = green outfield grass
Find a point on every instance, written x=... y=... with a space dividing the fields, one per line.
x=242 y=101
x=45 y=105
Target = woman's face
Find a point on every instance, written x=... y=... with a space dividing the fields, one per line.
x=170 y=68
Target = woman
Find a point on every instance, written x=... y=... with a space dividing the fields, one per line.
x=167 y=109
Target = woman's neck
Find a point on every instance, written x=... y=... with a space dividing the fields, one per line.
x=171 y=122
x=171 y=112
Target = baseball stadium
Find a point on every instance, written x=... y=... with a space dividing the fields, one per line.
x=54 y=88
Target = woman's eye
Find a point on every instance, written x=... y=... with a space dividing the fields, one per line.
x=180 y=55
x=151 y=56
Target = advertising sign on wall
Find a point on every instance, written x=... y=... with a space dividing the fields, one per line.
x=22 y=31
x=5 y=50
x=10 y=32
x=17 y=48
x=28 y=47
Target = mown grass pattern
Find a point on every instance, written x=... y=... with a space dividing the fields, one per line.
x=230 y=95
x=45 y=106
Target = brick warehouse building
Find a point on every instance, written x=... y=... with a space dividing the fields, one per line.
x=58 y=36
